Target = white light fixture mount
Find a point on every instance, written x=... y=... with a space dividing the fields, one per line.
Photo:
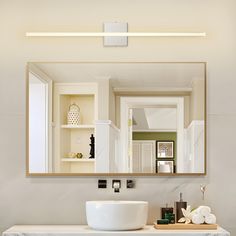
x=115 y=27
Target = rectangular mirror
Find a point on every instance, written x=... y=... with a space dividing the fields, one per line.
x=116 y=118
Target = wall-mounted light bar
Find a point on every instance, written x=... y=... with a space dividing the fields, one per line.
x=115 y=34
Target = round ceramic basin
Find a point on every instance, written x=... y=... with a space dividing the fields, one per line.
x=116 y=215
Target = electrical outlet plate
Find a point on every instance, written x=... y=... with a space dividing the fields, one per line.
x=116 y=41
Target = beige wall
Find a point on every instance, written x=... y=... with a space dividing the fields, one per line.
x=27 y=200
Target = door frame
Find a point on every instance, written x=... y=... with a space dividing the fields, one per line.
x=49 y=115
x=127 y=103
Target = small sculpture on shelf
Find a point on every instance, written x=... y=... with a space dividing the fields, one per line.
x=79 y=155
x=92 y=145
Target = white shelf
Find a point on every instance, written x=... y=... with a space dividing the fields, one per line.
x=78 y=160
x=78 y=126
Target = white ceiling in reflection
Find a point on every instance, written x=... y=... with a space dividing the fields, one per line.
x=177 y=75
x=155 y=119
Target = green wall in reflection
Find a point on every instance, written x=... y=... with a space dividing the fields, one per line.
x=159 y=136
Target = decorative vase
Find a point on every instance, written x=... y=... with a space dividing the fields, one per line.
x=73 y=116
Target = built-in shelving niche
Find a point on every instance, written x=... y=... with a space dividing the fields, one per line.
x=76 y=138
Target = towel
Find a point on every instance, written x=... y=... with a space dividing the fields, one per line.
x=210 y=219
x=198 y=219
x=204 y=210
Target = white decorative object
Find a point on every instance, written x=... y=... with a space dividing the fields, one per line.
x=210 y=219
x=204 y=210
x=198 y=219
x=188 y=214
x=116 y=215
x=73 y=116
x=203 y=215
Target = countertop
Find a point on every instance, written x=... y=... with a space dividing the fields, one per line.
x=79 y=230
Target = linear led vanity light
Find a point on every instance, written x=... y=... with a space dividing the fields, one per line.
x=115 y=34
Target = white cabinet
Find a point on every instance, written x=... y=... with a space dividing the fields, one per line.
x=143 y=156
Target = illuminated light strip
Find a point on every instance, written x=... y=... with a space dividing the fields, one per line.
x=114 y=34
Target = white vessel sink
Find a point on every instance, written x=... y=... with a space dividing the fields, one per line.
x=116 y=215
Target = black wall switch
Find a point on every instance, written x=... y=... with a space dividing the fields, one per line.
x=102 y=183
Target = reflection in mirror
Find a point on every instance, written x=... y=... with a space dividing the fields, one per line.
x=94 y=118
x=154 y=134
x=39 y=128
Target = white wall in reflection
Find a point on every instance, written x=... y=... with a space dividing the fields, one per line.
x=38 y=122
